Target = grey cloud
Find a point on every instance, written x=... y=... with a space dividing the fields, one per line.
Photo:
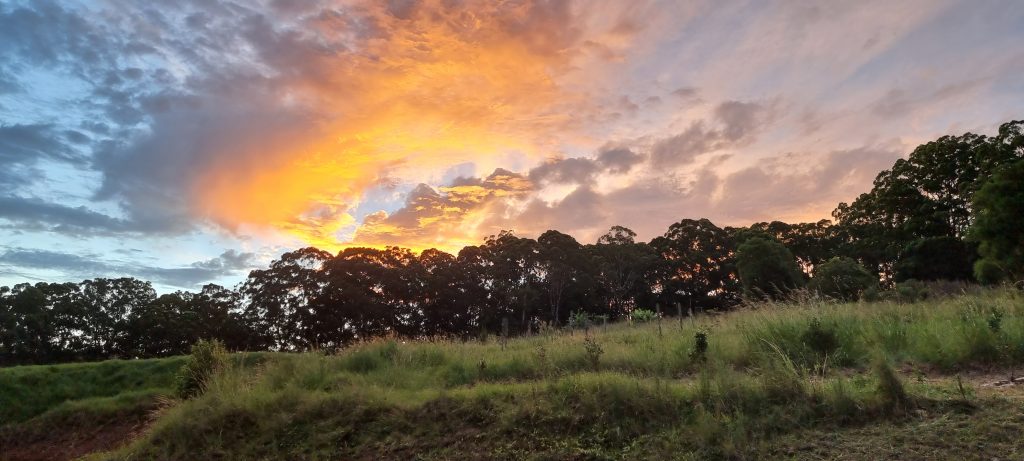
x=36 y=214
x=611 y=158
x=581 y=212
x=27 y=144
x=9 y=83
x=776 y=186
x=684 y=147
x=898 y=102
x=740 y=120
x=738 y=124
x=575 y=170
x=618 y=159
x=228 y=263
x=51 y=260
x=40 y=211
x=685 y=93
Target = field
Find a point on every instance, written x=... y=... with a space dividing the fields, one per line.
x=809 y=380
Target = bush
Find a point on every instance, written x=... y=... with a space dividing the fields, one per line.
x=579 y=319
x=699 y=354
x=643 y=315
x=936 y=258
x=842 y=278
x=206 y=358
x=819 y=338
x=594 y=351
x=767 y=269
x=910 y=291
x=890 y=389
x=987 y=271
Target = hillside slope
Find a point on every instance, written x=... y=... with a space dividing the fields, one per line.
x=809 y=381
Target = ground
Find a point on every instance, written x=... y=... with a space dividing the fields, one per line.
x=812 y=381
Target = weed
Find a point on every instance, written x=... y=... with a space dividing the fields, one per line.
x=890 y=389
x=207 y=358
x=643 y=315
x=819 y=338
x=699 y=354
x=594 y=351
x=995 y=319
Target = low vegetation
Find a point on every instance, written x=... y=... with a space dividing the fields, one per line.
x=749 y=384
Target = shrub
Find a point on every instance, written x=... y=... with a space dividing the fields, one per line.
x=594 y=351
x=910 y=291
x=643 y=315
x=935 y=258
x=988 y=271
x=842 y=278
x=819 y=338
x=579 y=319
x=767 y=268
x=205 y=359
x=995 y=320
x=699 y=354
x=890 y=389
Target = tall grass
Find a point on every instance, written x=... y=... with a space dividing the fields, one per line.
x=762 y=371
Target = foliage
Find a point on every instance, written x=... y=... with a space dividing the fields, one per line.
x=935 y=258
x=643 y=315
x=767 y=269
x=842 y=278
x=699 y=353
x=929 y=194
x=594 y=351
x=997 y=226
x=207 y=358
x=820 y=338
x=579 y=320
x=697 y=264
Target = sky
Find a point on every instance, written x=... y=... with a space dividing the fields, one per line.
x=190 y=141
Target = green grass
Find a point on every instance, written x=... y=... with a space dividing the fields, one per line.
x=771 y=373
x=29 y=391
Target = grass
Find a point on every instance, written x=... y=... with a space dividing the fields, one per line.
x=800 y=381
x=29 y=391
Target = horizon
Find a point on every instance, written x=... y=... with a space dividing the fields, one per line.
x=192 y=142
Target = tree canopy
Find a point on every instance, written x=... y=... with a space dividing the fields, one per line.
x=912 y=224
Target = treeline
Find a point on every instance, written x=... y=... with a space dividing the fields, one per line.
x=953 y=205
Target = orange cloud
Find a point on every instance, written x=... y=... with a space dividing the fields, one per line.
x=406 y=92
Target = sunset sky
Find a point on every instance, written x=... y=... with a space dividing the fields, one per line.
x=188 y=141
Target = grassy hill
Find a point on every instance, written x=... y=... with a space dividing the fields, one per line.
x=813 y=380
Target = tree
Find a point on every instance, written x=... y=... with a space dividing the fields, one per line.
x=697 y=264
x=447 y=295
x=935 y=258
x=158 y=328
x=30 y=327
x=510 y=273
x=767 y=268
x=277 y=299
x=927 y=195
x=811 y=243
x=842 y=278
x=565 y=267
x=215 y=313
x=997 y=228
x=109 y=303
x=624 y=267
x=368 y=293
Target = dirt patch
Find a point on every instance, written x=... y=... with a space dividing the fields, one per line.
x=68 y=440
